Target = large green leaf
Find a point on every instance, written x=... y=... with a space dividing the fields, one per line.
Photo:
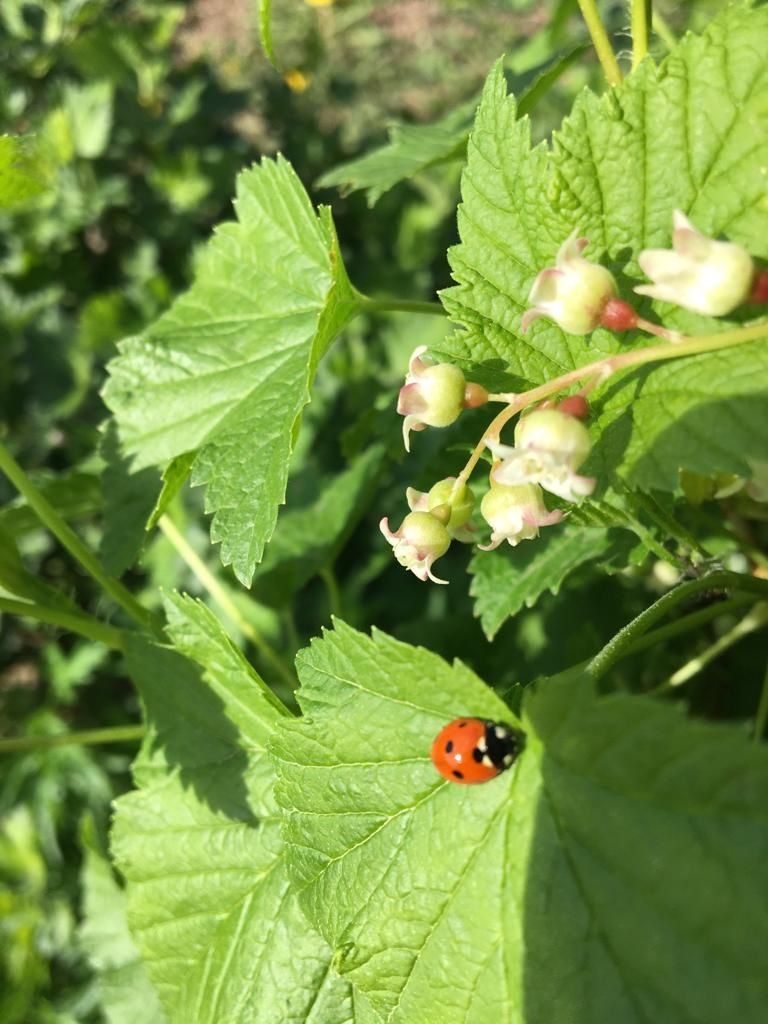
x=228 y=369
x=126 y=995
x=611 y=875
x=691 y=134
x=209 y=900
x=129 y=499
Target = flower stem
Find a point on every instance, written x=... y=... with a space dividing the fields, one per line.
x=83 y=624
x=601 y=42
x=639 y=24
x=50 y=518
x=605 y=368
x=224 y=601
x=626 y=638
x=85 y=738
x=399 y=306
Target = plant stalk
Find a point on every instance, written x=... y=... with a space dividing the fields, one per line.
x=224 y=601
x=601 y=42
x=752 y=621
x=639 y=26
x=86 y=626
x=400 y=306
x=605 y=368
x=85 y=738
x=51 y=519
x=626 y=638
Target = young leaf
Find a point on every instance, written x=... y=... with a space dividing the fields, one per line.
x=610 y=875
x=411 y=149
x=126 y=995
x=227 y=370
x=506 y=581
x=209 y=900
x=690 y=134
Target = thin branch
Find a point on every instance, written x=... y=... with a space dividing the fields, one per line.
x=209 y=582
x=73 y=622
x=85 y=738
x=601 y=42
x=51 y=519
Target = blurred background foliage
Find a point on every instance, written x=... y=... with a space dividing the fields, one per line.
x=142 y=113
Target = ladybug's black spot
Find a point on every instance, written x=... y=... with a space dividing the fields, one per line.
x=449 y=746
x=462 y=725
x=503 y=750
x=457 y=774
x=477 y=755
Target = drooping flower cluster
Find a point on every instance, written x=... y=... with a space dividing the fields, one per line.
x=552 y=443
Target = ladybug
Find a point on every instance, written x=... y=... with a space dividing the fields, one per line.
x=470 y=750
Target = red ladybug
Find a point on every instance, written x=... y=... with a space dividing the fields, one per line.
x=470 y=750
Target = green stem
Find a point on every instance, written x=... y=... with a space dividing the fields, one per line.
x=50 y=518
x=224 y=601
x=762 y=711
x=605 y=368
x=639 y=26
x=663 y=31
x=626 y=638
x=689 y=622
x=399 y=306
x=85 y=738
x=86 y=626
x=754 y=620
x=334 y=594
x=601 y=42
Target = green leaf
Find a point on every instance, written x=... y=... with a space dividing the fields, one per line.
x=209 y=900
x=691 y=134
x=506 y=581
x=411 y=149
x=308 y=539
x=227 y=370
x=126 y=995
x=128 y=500
x=610 y=875
x=89 y=108
x=265 y=31
x=25 y=171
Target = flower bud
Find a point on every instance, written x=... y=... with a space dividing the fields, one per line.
x=459 y=502
x=698 y=273
x=573 y=293
x=550 y=447
x=432 y=396
x=515 y=513
x=420 y=541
